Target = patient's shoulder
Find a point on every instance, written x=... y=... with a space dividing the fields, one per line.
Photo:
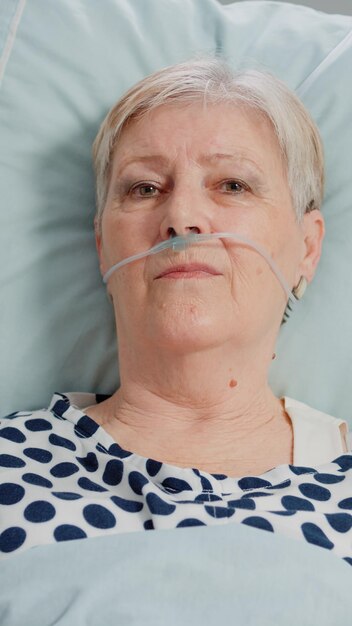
x=328 y=434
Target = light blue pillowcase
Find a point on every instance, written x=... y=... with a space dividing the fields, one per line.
x=63 y=65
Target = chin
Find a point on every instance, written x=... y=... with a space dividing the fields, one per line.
x=188 y=336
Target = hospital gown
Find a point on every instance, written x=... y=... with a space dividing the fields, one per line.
x=63 y=478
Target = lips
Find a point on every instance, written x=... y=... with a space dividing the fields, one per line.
x=189 y=268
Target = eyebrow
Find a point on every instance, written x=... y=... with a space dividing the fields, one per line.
x=162 y=160
x=233 y=156
x=159 y=159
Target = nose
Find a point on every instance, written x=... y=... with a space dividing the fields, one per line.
x=184 y=214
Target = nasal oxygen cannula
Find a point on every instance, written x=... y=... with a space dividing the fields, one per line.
x=180 y=242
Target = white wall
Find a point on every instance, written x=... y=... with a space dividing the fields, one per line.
x=329 y=6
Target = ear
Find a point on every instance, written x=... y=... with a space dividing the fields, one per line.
x=314 y=232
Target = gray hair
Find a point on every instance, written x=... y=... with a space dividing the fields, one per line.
x=213 y=80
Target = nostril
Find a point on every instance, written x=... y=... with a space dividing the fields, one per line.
x=171 y=232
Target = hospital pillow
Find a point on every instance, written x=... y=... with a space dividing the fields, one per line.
x=63 y=65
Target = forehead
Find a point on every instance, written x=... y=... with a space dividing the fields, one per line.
x=199 y=132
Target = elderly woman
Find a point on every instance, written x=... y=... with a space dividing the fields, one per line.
x=194 y=435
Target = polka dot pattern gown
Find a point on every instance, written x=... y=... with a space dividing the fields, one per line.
x=63 y=478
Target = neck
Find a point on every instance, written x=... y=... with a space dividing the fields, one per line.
x=199 y=410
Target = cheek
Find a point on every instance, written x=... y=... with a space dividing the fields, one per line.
x=129 y=285
x=128 y=234
x=252 y=277
x=245 y=260
x=118 y=242
x=287 y=251
x=130 y=296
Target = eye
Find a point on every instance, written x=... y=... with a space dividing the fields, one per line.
x=234 y=186
x=144 y=190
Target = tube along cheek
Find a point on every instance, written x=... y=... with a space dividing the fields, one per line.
x=180 y=243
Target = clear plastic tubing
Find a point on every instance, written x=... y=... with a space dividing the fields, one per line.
x=181 y=243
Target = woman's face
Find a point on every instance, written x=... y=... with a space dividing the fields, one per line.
x=210 y=169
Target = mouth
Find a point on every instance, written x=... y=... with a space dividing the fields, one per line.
x=192 y=270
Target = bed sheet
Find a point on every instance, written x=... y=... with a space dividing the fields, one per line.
x=195 y=577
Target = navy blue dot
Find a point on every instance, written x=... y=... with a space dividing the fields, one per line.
x=219 y=512
x=86 y=427
x=157 y=506
x=298 y=470
x=39 y=511
x=85 y=483
x=328 y=479
x=62 y=470
x=11 y=493
x=89 y=462
x=258 y=522
x=344 y=461
x=8 y=460
x=67 y=532
x=341 y=522
x=315 y=492
x=62 y=442
x=282 y=485
x=153 y=467
x=116 y=450
x=348 y=560
x=257 y=494
x=243 y=503
x=98 y=516
x=127 y=505
x=113 y=472
x=253 y=482
x=137 y=481
x=284 y=513
x=345 y=504
x=203 y=497
x=66 y=495
x=12 y=539
x=60 y=407
x=206 y=484
x=176 y=484
x=190 y=521
x=38 y=454
x=148 y=525
x=38 y=424
x=34 y=479
x=313 y=534
x=293 y=503
x=12 y=434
